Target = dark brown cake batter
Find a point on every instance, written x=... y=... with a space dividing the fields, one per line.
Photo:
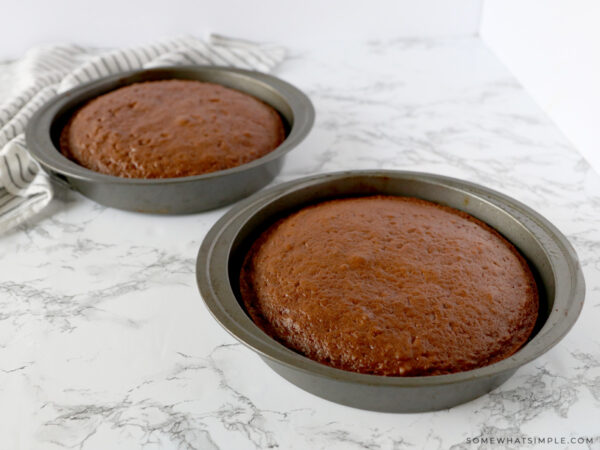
x=390 y=286
x=170 y=128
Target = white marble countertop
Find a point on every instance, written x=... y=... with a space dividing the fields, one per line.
x=105 y=341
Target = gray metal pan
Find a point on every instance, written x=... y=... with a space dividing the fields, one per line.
x=553 y=260
x=172 y=195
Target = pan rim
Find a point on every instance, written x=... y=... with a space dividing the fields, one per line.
x=42 y=148
x=219 y=298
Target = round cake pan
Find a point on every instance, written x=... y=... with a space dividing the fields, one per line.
x=171 y=195
x=551 y=257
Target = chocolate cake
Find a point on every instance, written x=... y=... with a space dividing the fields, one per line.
x=170 y=128
x=391 y=286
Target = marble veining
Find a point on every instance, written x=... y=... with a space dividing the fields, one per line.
x=105 y=342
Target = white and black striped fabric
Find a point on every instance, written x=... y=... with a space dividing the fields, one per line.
x=43 y=72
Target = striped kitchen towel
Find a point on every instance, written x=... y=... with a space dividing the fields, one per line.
x=43 y=72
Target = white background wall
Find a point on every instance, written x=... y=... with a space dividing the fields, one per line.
x=553 y=48
x=122 y=22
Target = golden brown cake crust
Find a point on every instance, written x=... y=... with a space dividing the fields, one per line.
x=170 y=128
x=390 y=286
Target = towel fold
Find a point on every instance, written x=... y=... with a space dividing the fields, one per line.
x=27 y=83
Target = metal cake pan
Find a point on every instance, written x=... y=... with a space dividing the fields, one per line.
x=551 y=257
x=171 y=195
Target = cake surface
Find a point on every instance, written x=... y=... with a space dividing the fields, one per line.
x=170 y=128
x=391 y=286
